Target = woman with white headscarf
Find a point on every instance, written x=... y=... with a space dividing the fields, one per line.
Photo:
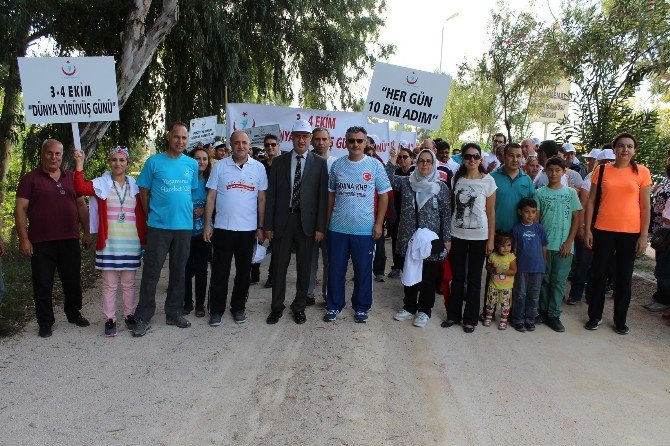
x=425 y=205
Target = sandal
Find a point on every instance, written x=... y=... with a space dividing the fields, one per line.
x=502 y=326
x=487 y=322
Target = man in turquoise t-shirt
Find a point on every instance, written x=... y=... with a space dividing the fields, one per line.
x=354 y=226
x=513 y=185
x=560 y=214
x=165 y=183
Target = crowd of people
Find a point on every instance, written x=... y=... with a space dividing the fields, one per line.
x=531 y=215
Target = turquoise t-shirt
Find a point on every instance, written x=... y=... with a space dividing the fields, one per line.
x=556 y=207
x=170 y=181
x=199 y=197
x=354 y=185
x=509 y=193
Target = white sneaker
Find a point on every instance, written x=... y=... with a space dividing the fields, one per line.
x=403 y=315
x=421 y=319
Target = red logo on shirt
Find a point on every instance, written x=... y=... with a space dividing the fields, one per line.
x=367 y=176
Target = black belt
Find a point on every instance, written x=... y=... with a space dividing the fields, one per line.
x=293 y=210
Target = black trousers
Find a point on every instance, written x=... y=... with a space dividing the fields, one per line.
x=379 y=262
x=424 y=290
x=398 y=260
x=196 y=266
x=618 y=248
x=226 y=245
x=466 y=257
x=281 y=255
x=63 y=256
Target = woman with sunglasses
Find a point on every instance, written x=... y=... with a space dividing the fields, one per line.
x=117 y=216
x=403 y=161
x=472 y=233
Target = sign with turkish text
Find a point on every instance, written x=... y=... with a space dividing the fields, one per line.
x=242 y=116
x=257 y=134
x=69 y=89
x=407 y=96
x=202 y=130
x=381 y=130
x=550 y=105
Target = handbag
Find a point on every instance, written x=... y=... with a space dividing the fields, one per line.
x=436 y=246
x=660 y=240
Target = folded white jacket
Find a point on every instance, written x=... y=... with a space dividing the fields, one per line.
x=418 y=248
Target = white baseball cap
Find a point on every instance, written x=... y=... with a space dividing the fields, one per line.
x=568 y=147
x=301 y=126
x=403 y=143
x=593 y=154
x=217 y=144
x=606 y=154
x=537 y=141
x=375 y=139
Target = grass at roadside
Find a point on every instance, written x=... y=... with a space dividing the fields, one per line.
x=17 y=307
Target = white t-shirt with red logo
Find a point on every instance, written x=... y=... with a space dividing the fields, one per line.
x=237 y=190
x=354 y=184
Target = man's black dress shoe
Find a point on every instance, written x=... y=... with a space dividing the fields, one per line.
x=274 y=317
x=299 y=317
x=79 y=320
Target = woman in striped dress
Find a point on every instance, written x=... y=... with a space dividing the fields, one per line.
x=118 y=218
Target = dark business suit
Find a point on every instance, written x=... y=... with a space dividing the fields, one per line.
x=295 y=226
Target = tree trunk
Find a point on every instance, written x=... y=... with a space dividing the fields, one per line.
x=139 y=48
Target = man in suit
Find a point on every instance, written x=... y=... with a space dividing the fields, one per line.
x=295 y=214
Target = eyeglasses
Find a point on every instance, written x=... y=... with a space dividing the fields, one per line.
x=60 y=188
x=403 y=157
x=299 y=136
x=270 y=144
x=471 y=156
x=355 y=140
x=425 y=161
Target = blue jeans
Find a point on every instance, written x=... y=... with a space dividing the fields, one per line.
x=360 y=248
x=580 y=278
x=525 y=297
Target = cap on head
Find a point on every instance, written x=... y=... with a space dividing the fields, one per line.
x=568 y=147
x=301 y=126
x=536 y=141
x=607 y=155
x=217 y=144
x=593 y=154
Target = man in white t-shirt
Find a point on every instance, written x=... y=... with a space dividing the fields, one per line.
x=491 y=161
x=236 y=189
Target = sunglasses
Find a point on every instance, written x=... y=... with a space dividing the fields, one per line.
x=471 y=156
x=60 y=188
x=403 y=157
x=355 y=140
x=270 y=144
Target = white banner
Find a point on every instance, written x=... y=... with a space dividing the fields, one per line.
x=68 y=89
x=408 y=96
x=202 y=130
x=243 y=116
x=408 y=137
x=381 y=129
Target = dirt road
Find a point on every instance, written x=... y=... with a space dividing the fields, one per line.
x=384 y=382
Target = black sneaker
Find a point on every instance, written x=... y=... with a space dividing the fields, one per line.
x=110 y=328
x=572 y=302
x=529 y=326
x=268 y=284
x=555 y=324
x=141 y=328
x=179 y=321
x=239 y=317
x=541 y=318
x=520 y=327
x=130 y=321
x=591 y=325
x=310 y=301
x=622 y=329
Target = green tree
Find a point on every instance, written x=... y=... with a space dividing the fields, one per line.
x=457 y=117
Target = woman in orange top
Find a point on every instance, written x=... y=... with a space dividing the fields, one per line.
x=619 y=229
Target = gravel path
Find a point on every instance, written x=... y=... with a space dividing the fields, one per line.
x=384 y=382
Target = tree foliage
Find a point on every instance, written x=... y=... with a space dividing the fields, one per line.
x=457 y=118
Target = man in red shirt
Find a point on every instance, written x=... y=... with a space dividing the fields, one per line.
x=46 y=198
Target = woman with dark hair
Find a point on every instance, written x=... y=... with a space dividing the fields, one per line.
x=200 y=251
x=472 y=233
x=403 y=161
x=660 y=199
x=616 y=228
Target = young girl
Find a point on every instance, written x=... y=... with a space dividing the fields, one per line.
x=118 y=218
x=200 y=251
x=501 y=265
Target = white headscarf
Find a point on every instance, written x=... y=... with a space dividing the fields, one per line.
x=425 y=187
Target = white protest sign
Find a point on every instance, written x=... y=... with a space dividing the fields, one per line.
x=408 y=137
x=380 y=129
x=240 y=116
x=550 y=105
x=408 y=96
x=202 y=130
x=257 y=134
x=69 y=89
